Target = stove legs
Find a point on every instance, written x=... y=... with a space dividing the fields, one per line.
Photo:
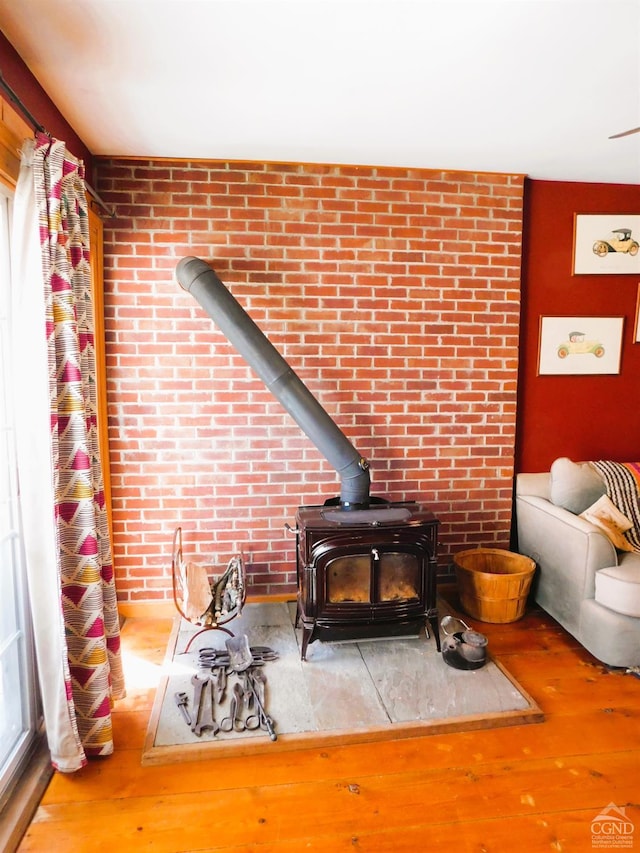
x=432 y=618
x=306 y=636
x=310 y=631
x=307 y=630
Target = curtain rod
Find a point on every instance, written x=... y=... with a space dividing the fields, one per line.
x=35 y=124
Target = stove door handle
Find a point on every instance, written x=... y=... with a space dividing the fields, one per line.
x=291 y=529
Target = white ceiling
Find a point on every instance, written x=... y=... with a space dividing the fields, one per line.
x=528 y=86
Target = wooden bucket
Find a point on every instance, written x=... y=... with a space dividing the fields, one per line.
x=493 y=584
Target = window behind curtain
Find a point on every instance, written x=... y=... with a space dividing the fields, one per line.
x=18 y=707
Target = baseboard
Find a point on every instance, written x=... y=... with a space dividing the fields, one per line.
x=25 y=797
x=167 y=609
x=147 y=609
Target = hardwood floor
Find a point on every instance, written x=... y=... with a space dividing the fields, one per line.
x=524 y=788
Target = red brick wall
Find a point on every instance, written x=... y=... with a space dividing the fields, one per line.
x=394 y=293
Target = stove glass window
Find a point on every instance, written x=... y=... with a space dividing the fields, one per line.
x=348 y=579
x=395 y=576
x=399 y=578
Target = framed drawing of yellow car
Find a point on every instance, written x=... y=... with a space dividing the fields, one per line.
x=579 y=345
x=606 y=244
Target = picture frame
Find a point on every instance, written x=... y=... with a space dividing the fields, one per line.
x=606 y=244
x=636 y=329
x=579 y=345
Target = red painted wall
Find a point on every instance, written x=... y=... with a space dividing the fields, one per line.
x=393 y=293
x=583 y=417
x=36 y=100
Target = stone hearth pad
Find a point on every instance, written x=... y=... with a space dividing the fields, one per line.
x=353 y=691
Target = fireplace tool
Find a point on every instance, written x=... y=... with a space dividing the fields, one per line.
x=241 y=662
x=248 y=691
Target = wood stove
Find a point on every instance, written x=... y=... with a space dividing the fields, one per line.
x=366 y=567
x=366 y=573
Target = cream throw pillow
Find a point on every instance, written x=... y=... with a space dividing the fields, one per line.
x=605 y=515
x=575 y=485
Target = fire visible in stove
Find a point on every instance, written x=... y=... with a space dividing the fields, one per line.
x=348 y=580
x=398 y=576
x=400 y=581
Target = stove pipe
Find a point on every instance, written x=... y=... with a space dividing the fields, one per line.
x=197 y=277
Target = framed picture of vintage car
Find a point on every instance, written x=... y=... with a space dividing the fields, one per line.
x=580 y=345
x=606 y=244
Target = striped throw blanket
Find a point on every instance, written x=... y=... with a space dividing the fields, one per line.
x=622 y=480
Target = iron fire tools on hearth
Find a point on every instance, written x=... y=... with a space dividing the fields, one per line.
x=246 y=711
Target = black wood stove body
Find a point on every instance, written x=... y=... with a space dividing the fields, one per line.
x=366 y=573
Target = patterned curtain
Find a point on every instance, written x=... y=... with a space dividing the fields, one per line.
x=68 y=548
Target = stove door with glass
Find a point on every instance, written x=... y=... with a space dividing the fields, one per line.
x=365 y=581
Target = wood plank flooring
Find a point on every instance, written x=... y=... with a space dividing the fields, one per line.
x=524 y=788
